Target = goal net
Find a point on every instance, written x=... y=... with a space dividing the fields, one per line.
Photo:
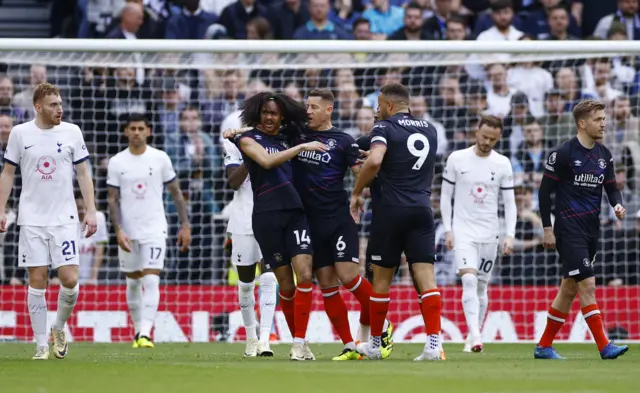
x=189 y=89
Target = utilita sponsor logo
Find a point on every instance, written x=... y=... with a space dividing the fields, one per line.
x=588 y=178
x=315 y=156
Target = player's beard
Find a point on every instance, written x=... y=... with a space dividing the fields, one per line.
x=55 y=120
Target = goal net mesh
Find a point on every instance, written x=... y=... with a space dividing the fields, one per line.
x=532 y=93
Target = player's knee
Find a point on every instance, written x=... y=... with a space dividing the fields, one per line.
x=483 y=287
x=268 y=280
x=469 y=283
x=587 y=289
x=569 y=289
x=304 y=276
x=347 y=271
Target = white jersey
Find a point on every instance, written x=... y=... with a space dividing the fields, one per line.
x=141 y=179
x=242 y=203
x=478 y=181
x=88 y=246
x=46 y=159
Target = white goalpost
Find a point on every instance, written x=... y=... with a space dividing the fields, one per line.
x=532 y=85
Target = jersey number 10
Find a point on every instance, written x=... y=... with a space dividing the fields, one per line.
x=420 y=153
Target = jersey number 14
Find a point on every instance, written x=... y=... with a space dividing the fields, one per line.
x=420 y=153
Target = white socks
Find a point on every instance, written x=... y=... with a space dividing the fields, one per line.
x=247 y=307
x=471 y=304
x=37 y=304
x=364 y=333
x=67 y=298
x=134 y=301
x=150 y=301
x=483 y=298
x=268 y=298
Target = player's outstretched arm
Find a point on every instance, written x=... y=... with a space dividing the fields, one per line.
x=85 y=182
x=6 y=184
x=113 y=198
x=268 y=161
x=184 y=235
x=368 y=172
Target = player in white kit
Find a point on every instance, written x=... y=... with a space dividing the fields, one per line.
x=47 y=149
x=92 y=248
x=475 y=177
x=246 y=255
x=136 y=179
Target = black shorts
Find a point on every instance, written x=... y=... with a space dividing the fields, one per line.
x=281 y=236
x=577 y=256
x=395 y=230
x=335 y=239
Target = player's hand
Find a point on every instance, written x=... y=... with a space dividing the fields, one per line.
x=364 y=154
x=90 y=224
x=356 y=207
x=231 y=132
x=3 y=221
x=549 y=239
x=123 y=240
x=184 y=238
x=620 y=211
x=448 y=240
x=314 y=146
x=507 y=245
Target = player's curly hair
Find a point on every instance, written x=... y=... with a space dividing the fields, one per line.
x=293 y=112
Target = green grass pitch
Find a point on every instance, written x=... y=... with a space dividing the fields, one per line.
x=194 y=368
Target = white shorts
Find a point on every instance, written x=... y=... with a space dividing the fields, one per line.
x=145 y=254
x=245 y=250
x=478 y=256
x=53 y=246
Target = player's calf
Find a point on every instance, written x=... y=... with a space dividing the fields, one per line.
x=471 y=308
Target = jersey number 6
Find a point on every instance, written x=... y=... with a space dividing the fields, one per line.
x=420 y=153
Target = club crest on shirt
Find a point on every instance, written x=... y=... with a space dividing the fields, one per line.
x=602 y=163
x=331 y=143
x=552 y=158
x=140 y=189
x=46 y=167
x=479 y=192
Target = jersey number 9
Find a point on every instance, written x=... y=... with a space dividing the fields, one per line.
x=420 y=153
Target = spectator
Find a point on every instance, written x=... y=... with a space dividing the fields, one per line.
x=24 y=99
x=384 y=18
x=362 y=30
x=529 y=159
x=236 y=15
x=559 y=27
x=413 y=25
x=342 y=76
x=602 y=76
x=130 y=21
x=456 y=28
x=449 y=105
x=232 y=120
x=589 y=12
x=631 y=201
x=259 y=29
x=534 y=81
x=623 y=67
x=343 y=14
x=319 y=27
x=498 y=93
x=436 y=27
x=97 y=17
x=419 y=110
x=513 y=132
x=622 y=132
x=567 y=83
x=6 y=101
x=6 y=124
x=194 y=159
x=293 y=91
x=287 y=17
x=167 y=111
x=152 y=26
x=387 y=76
x=502 y=16
x=365 y=117
x=558 y=124
x=503 y=28
x=627 y=14
x=225 y=100
x=190 y=24
x=348 y=102
x=539 y=24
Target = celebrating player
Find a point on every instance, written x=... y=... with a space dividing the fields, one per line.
x=474 y=177
x=577 y=170
x=91 y=248
x=246 y=255
x=47 y=149
x=279 y=223
x=136 y=179
x=319 y=179
x=402 y=154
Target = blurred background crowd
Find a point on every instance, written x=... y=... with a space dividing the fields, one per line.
x=188 y=107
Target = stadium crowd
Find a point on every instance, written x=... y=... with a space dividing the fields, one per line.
x=188 y=108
